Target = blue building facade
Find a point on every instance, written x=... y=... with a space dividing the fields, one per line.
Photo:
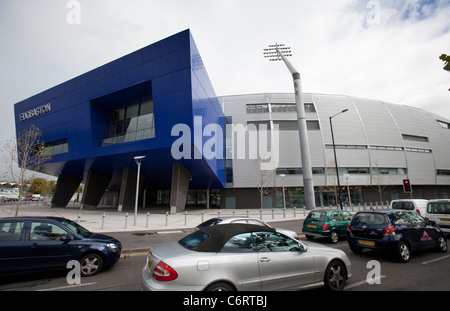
x=157 y=102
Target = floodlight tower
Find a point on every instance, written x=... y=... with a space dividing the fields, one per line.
x=280 y=52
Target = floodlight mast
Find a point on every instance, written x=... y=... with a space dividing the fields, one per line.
x=280 y=52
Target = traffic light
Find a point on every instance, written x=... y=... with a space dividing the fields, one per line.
x=406 y=186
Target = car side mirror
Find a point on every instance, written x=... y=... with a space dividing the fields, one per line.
x=66 y=238
x=300 y=248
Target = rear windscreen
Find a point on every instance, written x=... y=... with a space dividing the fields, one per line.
x=370 y=219
x=439 y=208
x=317 y=216
x=193 y=240
x=403 y=205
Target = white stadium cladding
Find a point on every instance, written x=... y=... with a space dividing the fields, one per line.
x=378 y=144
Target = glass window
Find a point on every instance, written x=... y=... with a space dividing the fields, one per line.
x=401 y=218
x=11 y=230
x=336 y=216
x=43 y=231
x=241 y=243
x=347 y=216
x=371 y=219
x=194 y=239
x=273 y=242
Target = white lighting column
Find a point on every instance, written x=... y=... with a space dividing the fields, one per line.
x=280 y=52
x=138 y=160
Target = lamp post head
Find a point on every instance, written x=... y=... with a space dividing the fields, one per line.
x=275 y=51
x=138 y=159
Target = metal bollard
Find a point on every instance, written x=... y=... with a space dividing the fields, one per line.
x=273 y=213
x=203 y=216
x=260 y=214
x=146 y=222
x=247 y=213
x=218 y=213
x=185 y=218
x=126 y=220
x=295 y=212
x=234 y=212
x=79 y=217
x=167 y=218
x=304 y=210
x=284 y=212
x=103 y=219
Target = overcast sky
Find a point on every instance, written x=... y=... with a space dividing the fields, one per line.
x=386 y=50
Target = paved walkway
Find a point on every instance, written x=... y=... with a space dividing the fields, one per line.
x=110 y=220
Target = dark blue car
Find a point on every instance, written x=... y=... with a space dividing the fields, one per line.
x=34 y=243
x=398 y=231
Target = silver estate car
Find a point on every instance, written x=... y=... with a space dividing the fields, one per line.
x=243 y=220
x=243 y=257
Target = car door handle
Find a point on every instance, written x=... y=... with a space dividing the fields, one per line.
x=264 y=259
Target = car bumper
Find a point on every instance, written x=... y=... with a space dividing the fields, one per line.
x=387 y=243
x=316 y=233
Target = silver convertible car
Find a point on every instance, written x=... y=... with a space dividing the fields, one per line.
x=243 y=257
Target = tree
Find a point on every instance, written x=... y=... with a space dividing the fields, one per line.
x=446 y=59
x=27 y=152
x=39 y=186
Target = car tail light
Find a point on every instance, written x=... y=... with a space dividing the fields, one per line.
x=163 y=272
x=389 y=231
x=417 y=211
x=325 y=227
x=348 y=228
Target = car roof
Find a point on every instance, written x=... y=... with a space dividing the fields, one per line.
x=24 y=218
x=219 y=235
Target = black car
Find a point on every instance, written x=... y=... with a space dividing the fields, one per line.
x=397 y=231
x=34 y=243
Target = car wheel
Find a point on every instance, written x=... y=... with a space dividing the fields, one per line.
x=334 y=237
x=404 y=252
x=309 y=237
x=91 y=264
x=442 y=244
x=220 y=287
x=335 y=276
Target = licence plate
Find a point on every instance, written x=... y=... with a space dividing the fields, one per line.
x=312 y=226
x=364 y=242
x=444 y=219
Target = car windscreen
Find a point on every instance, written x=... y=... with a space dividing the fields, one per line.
x=371 y=219
x=193 y=240
x=85 y=233
x=439 y=208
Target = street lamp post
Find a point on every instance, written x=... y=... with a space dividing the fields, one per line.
x=279 y=52
x=282 y=181
x=335 y=158
x=138 y=160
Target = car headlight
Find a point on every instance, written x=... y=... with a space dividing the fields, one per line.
x=112 y=245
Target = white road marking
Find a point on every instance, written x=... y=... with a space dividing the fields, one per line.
x=349 y=286
x=65 y=287
x=435 y=259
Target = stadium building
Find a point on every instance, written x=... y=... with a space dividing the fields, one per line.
x=200 y=150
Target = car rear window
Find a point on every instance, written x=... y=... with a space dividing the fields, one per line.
x=317 y=216
x=372 y=219
x=439 y=208
x=193 y=240
x=403 y=205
